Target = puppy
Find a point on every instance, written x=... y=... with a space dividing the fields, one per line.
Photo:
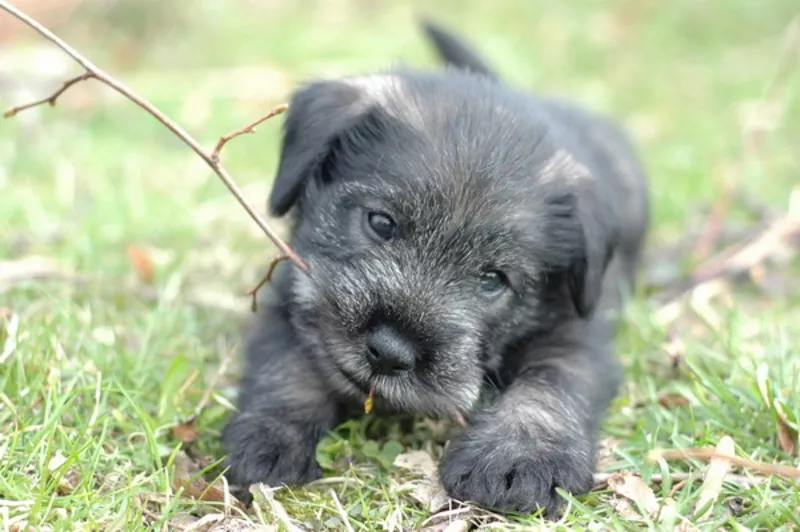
x=464 y=240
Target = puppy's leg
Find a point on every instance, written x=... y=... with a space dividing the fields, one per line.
x=541 y=433
x=284 y=410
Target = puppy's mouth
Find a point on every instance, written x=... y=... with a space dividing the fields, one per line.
x=380 y=386
x=357 y=383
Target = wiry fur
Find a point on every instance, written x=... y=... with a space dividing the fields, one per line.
x=476 y=175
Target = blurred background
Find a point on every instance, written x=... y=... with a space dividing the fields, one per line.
x=124 y=260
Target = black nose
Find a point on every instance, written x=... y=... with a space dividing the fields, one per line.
x=389 y=351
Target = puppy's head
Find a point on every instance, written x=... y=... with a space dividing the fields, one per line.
x=443 y=224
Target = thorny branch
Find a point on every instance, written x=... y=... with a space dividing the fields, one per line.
x=211 y=159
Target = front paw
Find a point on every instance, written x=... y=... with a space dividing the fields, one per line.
x=518 y=470
x=262 y=449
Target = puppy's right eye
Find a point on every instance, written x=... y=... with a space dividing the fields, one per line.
x=493 y=282
x=381 y=225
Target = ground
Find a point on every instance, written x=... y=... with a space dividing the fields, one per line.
x=130 y=327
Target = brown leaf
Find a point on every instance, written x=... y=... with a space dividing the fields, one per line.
x=787 y=437
x=198 y=488
x=634 y=489
x=418 y=462
x=186 y=432
x=673 y=400
x=142 y=262
x=624 y=509
x=426 y=490
x=717 y=469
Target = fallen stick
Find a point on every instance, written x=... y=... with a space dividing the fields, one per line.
x=738 y=259
x=709 y=454
x=601 y=479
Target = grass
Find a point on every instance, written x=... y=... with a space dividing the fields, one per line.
x=105 y=367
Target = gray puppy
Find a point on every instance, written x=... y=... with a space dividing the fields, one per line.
x=463 y=239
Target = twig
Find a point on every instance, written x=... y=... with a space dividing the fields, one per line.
x=251 y=128
x=601 y=479
x=253 y=292
x=93 y=72
x=342 y=513
x=51 y=99
x=708 y=454
x=740 y=258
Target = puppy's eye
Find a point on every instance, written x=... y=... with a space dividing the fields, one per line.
x=381 y=225
x=493 y=282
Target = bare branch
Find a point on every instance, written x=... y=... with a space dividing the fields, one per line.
x=92 y=71
x=601 y=479
x=52 y=99
x=708 y=454
x=251 y=128
x=253 y=292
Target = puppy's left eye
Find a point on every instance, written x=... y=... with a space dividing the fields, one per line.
x=493 y=282
x=381 y=225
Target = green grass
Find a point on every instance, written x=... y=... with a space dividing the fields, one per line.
x=105 y=367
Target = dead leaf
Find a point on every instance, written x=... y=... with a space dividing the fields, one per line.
x=457 y=525
x=624 y=509
x=426 y=490
x=223 y=523
x=717 y=469
x=186 y=432
x=441 y=521
x=142 y=262
x=198 y=488
x=418 y=462
x=787 y=437
x=634 y=489
x=673 y=400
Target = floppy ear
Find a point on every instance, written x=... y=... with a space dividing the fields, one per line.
x=585 y=273
x=319 y=114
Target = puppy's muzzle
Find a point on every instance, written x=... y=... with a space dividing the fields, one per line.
x=389 y=351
